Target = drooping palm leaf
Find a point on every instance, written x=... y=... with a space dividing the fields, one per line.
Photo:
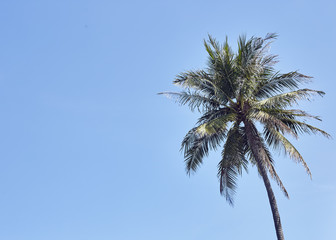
x=275 y=139
x=232 y=163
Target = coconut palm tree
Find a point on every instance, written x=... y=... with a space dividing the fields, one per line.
x=246 y=105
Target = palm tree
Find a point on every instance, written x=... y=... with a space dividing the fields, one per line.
x=245 y=104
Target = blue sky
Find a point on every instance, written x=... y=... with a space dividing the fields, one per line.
x=89 y=151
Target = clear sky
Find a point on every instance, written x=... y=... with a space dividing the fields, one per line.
x=88 y=151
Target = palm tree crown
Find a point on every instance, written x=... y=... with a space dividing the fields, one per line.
x=235 y=92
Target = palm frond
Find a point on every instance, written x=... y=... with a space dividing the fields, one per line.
x=277 y=83
x=288 y=99
x=197 y=146
x=269 y=119
x=203 y=138
x=275 y=139
x=253 y=62
x=214 y=113
x=289 y=118
x=232 y=163
x=197 y=80
x=194 y=99
x=216 y=124
x=302 y=127
x=289 y=113
x=221 y=66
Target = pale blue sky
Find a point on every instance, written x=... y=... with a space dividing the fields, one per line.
x=90 y=152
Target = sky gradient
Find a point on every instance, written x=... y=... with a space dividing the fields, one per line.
x=89 y=151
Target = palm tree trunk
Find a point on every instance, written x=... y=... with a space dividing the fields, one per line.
x=256 y=148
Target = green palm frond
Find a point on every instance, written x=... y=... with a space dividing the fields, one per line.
x=220 y=66
x=289 y=113
x=232 y=163
x=275 y=139
x=268 y=119
x=213 y=114
x=302 y=127
x=253 y=62
x=288 y=99
x=197 y=146
x=212 y=126
x=197 y=80
x=203 y=138
x=195 y=100
x=277 y=83
x=289 y=118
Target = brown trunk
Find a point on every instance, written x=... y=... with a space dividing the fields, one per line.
x=257 y=151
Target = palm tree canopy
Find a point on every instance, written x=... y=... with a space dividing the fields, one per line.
x=239 y=88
